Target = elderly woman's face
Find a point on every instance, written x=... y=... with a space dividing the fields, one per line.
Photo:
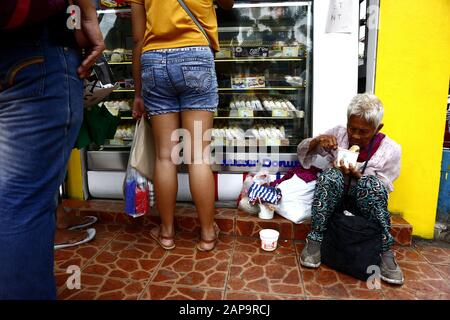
x=360 y=132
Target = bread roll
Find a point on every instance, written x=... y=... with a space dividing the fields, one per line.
x=354 y=148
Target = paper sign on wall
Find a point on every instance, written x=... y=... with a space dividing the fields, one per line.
x=340 y=16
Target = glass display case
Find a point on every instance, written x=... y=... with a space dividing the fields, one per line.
x=264 y=72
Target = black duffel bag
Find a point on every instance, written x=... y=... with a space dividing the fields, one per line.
x=351 y=244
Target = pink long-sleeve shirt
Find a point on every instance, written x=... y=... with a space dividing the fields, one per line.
x=384 y=163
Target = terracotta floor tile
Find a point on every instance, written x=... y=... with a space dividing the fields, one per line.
x=418 y=289
x=444 y=270
x=439 y=254
x=325 y=282
x=408 y=254
x=251 y=227
x=98 y=288
x=123 y=260
x=226 y=213
x=253 y=246
x=186 y=266
x=265 y=273
x=419 y=271
x=170 y=292
x=80 y=255
x=236 y=295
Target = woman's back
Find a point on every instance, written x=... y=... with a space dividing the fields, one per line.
x=169 y=26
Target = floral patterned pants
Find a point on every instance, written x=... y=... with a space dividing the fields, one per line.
x=368 y=198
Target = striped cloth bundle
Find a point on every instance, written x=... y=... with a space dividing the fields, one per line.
x=263 y=193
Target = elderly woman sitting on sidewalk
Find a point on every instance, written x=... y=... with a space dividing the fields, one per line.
x=368 y=192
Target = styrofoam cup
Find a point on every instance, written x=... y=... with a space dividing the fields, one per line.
x=265 y=212
x=269 y=239
x=349 y=157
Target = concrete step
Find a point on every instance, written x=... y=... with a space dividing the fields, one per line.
x=231 y=221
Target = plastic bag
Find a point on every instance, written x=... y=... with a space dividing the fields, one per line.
x=137 y=189
x=243 y=201
x=297 y=199
x=138 y=193
x=263 y=194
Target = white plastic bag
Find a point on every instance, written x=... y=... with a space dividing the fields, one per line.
x=296 y=200
x=243 y=203
x=261 y=177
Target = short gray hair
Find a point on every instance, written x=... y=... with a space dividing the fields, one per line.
x=368 y=107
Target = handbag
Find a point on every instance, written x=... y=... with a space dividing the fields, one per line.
x=352 y=243
x=99 y=84
x=143 y=155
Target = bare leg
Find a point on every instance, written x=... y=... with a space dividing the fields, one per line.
x=201 y=179
x=165 y=176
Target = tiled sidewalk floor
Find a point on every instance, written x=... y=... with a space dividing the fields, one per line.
x=123 y=262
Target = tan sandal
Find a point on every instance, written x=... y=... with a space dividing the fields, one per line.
x=155 y=233
x=214 y=241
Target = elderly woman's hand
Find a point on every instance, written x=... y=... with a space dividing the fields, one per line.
x=328 y=142
x=350 y=171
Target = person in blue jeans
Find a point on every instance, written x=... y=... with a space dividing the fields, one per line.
x=41 y=107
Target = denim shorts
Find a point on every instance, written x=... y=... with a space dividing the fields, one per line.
x=179 y=79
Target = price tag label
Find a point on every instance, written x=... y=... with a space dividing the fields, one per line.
x=280 y=113
x=300 y=114
x=272 y=141
x=218 y=141
x=245 y=113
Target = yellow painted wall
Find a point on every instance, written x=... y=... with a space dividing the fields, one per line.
x=74 y=176
x=412 y=79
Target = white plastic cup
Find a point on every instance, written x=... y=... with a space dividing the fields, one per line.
x=269 y=239
x=265 y=212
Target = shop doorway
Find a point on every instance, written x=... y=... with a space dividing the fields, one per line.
x=367 y=44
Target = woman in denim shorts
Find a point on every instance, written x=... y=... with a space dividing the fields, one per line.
x=176 y=86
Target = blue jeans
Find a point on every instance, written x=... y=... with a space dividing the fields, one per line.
x=41 y=109
x=179 y=79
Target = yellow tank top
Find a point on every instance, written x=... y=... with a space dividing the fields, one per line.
x=169 y=26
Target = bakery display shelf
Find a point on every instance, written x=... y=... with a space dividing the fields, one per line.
x=123 y=90
x=252 y=29
x=258 y=59
x=120 y=63
x=256 y=117
x=114 y=11
x=253 y=59
x=261 y=89
x=229 y=149
x=257 y=114
x=236 y=89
